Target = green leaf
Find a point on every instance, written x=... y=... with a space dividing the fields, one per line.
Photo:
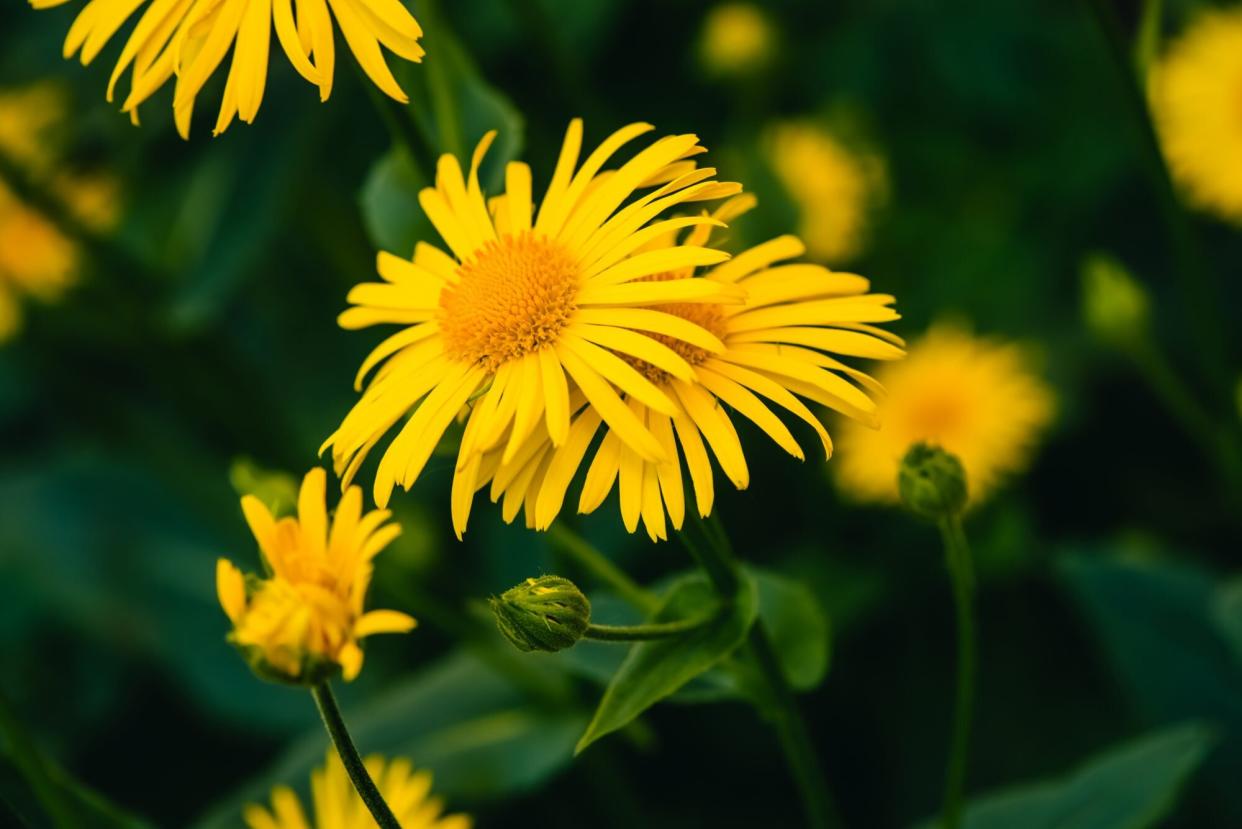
x=389 y=202
x=277 y=490
x=1129 y=787
x=654 y=670
x=1227 y=611
x=479 y=735
x=797 y=625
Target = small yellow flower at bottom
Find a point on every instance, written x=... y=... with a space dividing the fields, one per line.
x=303 y=623
x=977 y=398
x=338 y=806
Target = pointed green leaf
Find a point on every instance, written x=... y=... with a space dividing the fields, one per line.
x=654 y=670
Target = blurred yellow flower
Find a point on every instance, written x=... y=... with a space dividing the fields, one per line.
x=778 y=346
x=304 y=621
x=528 y=311
x=190 y=39
x=975 y=397
x=37 y=260
x=338 y=806
x=737 y=39
x=1196 y=96
x=833 y=187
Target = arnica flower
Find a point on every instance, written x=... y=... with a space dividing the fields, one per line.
x=337 y=805
x=190 y=38
x=977 y=398
x=530 y=311
x=834 y=187
x=780 y=345
x=737 y=39
x=303 y=622
x=1195 y=91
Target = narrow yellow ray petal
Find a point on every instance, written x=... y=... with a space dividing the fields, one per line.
x=618 y=372
x=697 y=462
x=655 y=321
x=565 y=463
x=751 y=407
x=669 y=474
x=715 y=425
x=609 y=405
x=601 y=474
x=636 y=345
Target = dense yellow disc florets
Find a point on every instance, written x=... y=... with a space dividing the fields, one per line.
x=512 y=298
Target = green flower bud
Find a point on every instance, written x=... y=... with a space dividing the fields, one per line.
x=1114 y=305
x=932 y=482
x=544 y=614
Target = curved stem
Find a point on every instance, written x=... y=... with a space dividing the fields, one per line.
x=644 y=633
x=957 y=557
x=711 y=549
x=354 y=767
x=581 y=551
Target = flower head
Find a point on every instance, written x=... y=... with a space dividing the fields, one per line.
x=190 y=39
x=737 y=39
x=338 y=806
x=1196 y=97
x=976 y=398
x=549 y=613
x=777 y=349
x=521 y=325
x=303 y=622
x=832 y=186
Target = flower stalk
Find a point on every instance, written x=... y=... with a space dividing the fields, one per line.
x=354 y=767
x=643 y=633
x=709 y=545
x=961 y=576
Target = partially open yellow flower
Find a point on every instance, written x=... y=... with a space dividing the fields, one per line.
x=190 y=39
x=529 y=309
x=338 y=806
x=977 y=398
x=1196 y=97
x=833 y=186
x=778 y=346
x=304 y=621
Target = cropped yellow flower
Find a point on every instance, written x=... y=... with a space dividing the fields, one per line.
x=778 y=346
x=529 y=308
x=304 y=621
x=1196 y=96
x=833 y=187
x=190 y=38
x=737 y=39
x=977 y=398
x=338 y=806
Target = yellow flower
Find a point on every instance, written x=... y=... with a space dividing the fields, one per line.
x=190 y=38
x=28 y=115
x=974 y=397
x=775 y=348
x=338 y=806
x=528 y=311
x=833 y=187
x=737 y=39
x=305 y=620
x=1196 y=96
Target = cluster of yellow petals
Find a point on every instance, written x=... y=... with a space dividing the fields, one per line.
x=308 y=614
x=978 y=398
x=189 y=39
x=337 y=805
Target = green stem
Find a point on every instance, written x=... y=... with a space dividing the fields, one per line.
x=34 y=768
x=957 y=557
x=354 y=766
x=712 y=551
x=444 y=105
x=591 y=559
x=644 y=633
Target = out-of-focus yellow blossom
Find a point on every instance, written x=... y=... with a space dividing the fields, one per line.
x=737 y=39
x=37 y=260
x=975 y=397
x=304 y=621
x=833 y=187
x=337 y=805
x=190 y=39
x=1196 y=96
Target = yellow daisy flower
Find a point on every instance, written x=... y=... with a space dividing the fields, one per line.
x=832 y=186
x=190 y=38
x=529 y=307
x=977 y=398
x=1195 y=92
x=304 y=621
x=338 y=806
x=737 y=39
x=778 y=346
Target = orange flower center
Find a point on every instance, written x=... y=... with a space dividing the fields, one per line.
x=513 y=297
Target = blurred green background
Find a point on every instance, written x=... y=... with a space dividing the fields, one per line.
x=203 y=331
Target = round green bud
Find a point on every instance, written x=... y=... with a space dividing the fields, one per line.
x=932 y=482
x=544 y=614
